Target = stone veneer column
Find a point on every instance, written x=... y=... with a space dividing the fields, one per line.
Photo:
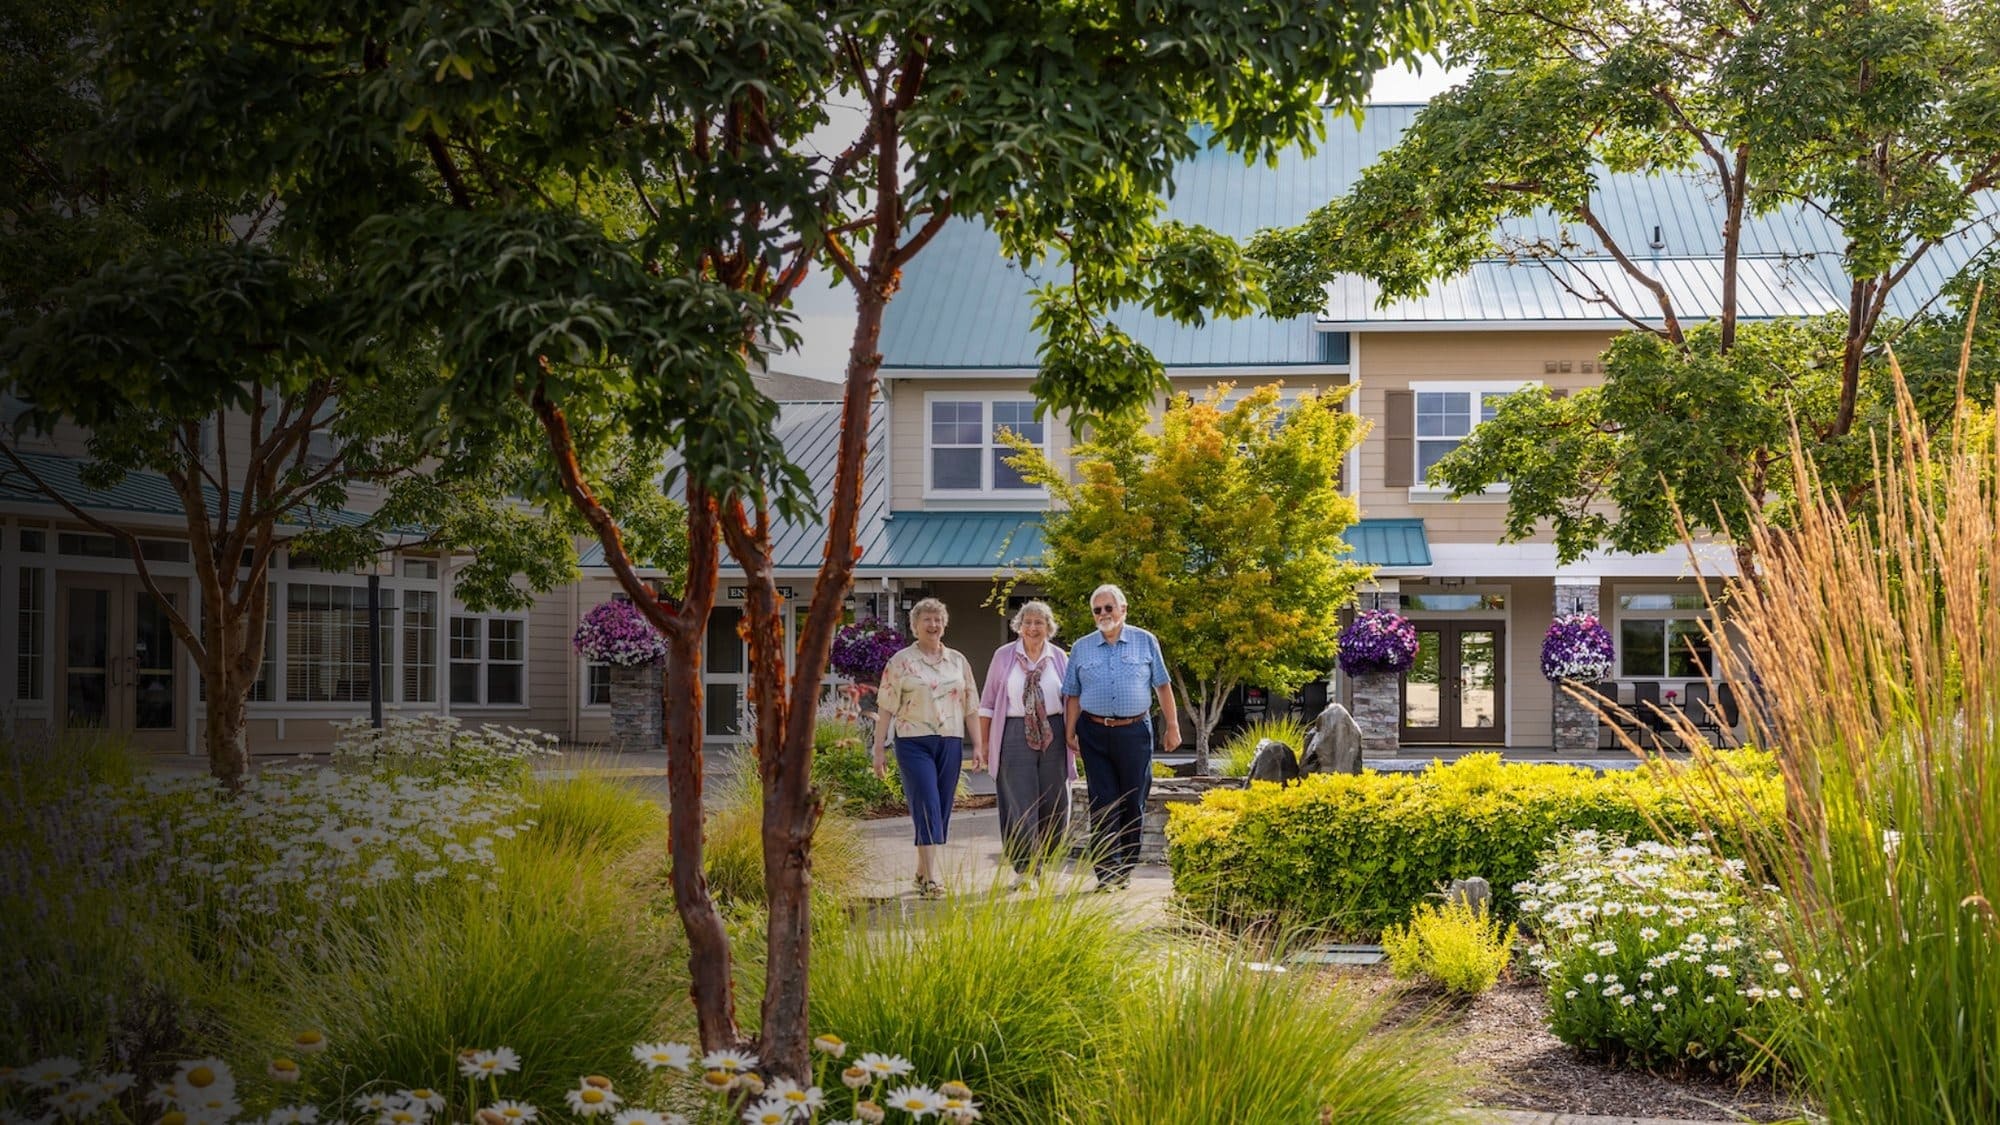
x=1378 y=710
x=1573 y=724
x=637 y=721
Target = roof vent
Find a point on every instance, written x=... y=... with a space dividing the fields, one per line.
x=1659 y=239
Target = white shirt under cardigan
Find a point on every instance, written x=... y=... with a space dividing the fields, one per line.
x=1006 y=684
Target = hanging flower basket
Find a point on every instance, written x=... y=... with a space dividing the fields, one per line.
x=863 y=649
x=1577 y=648
x=616 y=633
x=1378 y=642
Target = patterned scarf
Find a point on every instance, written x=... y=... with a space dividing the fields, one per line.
x=1039 y=734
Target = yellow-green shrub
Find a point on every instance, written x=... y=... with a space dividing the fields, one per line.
x=1454 y=946
x=1356 y=853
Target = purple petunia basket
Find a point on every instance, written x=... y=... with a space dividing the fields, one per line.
x=1378 y=641
x=618 y=633
x=861 y=650
x=1577 y=647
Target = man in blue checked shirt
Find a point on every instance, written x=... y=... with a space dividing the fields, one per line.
x=1108 y=698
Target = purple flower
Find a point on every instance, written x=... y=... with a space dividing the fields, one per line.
x=863 y=649
x=617 y=633
x=1577 y=647
x=1379 y=640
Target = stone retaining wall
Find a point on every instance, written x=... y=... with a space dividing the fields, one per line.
x=1153 y=834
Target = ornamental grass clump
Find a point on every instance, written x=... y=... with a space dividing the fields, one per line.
x=1451 y=946
x=1211 y=1037
x=1242 y=746
x=1576 y=648
x=861 y=650
x=1660 y=956
x=618 y=633
x=1873 y=638
x=1378 y=641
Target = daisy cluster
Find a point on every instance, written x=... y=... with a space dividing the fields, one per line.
x=261 y=868
x=708 y=1089
x=432 y=745
x=1657 y=954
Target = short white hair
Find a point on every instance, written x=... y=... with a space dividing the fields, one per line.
x=1117 y=595
x=1039 y=608
x=930 y=605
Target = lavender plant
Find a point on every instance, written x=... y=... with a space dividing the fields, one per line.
x=1378 y=641
x=1577 y=647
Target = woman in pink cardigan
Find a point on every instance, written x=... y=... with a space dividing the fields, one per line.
x=1031 y=762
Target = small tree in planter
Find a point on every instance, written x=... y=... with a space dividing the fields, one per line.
x=618 y=634
x=1375 y=648
x=1577 y=650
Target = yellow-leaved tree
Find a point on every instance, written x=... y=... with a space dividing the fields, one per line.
x=1224 y=527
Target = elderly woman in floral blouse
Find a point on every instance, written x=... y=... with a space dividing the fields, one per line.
x=1021 y=718
x=927 y=702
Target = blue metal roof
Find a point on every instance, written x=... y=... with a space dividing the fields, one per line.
x=1397 y=543
x=810 y=432
x=137 y=493
x=964 y=307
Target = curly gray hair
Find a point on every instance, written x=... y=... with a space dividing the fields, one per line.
x=1039 y=608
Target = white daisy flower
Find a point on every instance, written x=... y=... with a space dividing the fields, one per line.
x=735 y=1062
x=592 y=1101
x=917 y=1101
x=855 y=1077
x=112 y=1085
x=767 y=1112
x=430 y=1099
x=376 y=1102
x=638 y=1117
x=516 y=1113
x=49 y=1073
x=653 y=1056
x=293 y=1115
x=804 y=1100
x=80 y=1100
x=830 y=1045
x=309 y=1042
x=404 y=1113
x=886 y=1066
x=489 y=1064
x=283 y=1070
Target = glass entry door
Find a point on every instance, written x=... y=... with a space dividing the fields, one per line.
x=725 y=675
x=121 y=665
x=1456 y=692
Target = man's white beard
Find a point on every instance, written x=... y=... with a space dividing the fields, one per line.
x=1107 y=627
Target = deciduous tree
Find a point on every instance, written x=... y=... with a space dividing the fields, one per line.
x=1881 y=120
x=1224 y=527
x=600 y=212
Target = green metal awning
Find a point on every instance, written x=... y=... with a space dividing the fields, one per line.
x=1389 y=543
x=957 y=541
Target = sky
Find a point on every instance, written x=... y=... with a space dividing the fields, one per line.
x=826 y=313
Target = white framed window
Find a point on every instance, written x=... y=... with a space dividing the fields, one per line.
x=420 y=645
x=326 y=642
x=1659 y=635
x=963 y=453
x=489 y=661
x=31 y=620
x=596 y=684
x=1445 y=419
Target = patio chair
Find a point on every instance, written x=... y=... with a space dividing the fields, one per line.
x=1729 y=710
x=1702 y=712
x=1650 y=714
x=1607 y=692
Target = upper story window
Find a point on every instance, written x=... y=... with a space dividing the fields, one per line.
x=964 y=455
x=1446 y=418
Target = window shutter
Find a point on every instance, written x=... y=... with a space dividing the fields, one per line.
x=1400 y=422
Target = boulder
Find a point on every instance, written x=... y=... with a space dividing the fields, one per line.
x=1334 y=743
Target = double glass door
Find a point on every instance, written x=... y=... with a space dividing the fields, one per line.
x=120 y=664
x=1456 y=692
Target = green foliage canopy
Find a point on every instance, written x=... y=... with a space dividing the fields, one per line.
x=1224 y=528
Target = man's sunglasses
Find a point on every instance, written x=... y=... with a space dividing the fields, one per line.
x=1102 y=610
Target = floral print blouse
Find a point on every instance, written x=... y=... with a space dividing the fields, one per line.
x=926 y=696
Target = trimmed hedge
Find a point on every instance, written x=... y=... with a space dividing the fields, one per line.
x=1354 y=854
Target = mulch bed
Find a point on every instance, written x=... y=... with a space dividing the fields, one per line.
x=1504 y=1035
x=976 y=801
